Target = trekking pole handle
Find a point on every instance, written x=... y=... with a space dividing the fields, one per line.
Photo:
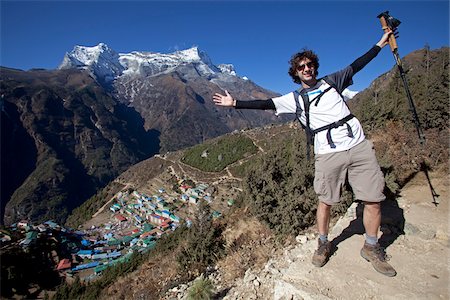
x=392 y=40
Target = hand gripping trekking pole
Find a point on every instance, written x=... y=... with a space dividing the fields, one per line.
x=390 y=23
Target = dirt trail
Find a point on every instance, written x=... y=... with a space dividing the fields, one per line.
x=420 y=255
x=101 y=209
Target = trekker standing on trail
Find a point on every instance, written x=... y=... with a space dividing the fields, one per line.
x=340 y=146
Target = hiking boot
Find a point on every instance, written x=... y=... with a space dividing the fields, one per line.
x=322 y=254
x=377 y=256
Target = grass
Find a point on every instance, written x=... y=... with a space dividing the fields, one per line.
x=215 y=155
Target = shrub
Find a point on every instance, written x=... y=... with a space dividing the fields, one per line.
x=279 y=188
x=202 y=289
x=204 y=243
x=401 y=156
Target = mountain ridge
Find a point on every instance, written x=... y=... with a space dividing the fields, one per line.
x=77 y=135
x=107 y=65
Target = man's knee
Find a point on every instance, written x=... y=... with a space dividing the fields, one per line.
x=372 y=208
x=324 y=206
x=372 y=205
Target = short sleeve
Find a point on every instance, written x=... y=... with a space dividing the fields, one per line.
x=285 y=104
x=343 y=78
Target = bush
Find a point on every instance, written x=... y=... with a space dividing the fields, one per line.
x=401 y=156
x=204 y=243
x=279 y=188
x=202 y=289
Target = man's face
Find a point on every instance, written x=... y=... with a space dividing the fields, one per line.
x=306 y=71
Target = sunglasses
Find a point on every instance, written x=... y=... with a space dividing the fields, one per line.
x=302 y=67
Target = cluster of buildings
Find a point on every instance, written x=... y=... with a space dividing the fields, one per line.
x=141 y=209
x=47 y=230
x=137 y=222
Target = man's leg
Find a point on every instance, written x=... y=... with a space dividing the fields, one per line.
x=321 y=255
x=330 y=174
x=367 y=181
x=323 y=218
x=372 y=218
x=371 y=250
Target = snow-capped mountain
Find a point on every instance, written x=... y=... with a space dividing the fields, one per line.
x=101 y=60
x=228 y=69
x=108 y=65
x=348 y=94
x=172 y=91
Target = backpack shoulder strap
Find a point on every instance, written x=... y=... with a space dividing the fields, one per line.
x=333 y=85
x=299 y=109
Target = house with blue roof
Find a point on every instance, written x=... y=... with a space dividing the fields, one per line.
x=165 y=213
x=84 y=253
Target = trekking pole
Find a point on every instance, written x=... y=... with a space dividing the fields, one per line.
x=390 y=23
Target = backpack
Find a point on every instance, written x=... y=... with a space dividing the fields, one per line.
x=310 y=133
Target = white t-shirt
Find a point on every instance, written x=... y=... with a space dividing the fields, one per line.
x=330 y=108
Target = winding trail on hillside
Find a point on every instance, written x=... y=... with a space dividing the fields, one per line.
x=185 y=168
x=101 y=209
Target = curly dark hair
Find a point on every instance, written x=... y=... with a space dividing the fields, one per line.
x=297 y=58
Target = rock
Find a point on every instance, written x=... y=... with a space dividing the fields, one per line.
x=270 y=268
x=301 y=239
x=275 y=271
x=284 y=290
x=351 y=211
x=249 y=276
x=441 y=235
x=410 y=229
x=256 y=283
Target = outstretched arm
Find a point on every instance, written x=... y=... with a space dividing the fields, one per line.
x=228 y=101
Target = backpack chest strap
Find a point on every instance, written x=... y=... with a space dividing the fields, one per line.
x=336 y=125
x=317 y=99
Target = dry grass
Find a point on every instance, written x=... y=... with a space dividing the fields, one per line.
x=249 y=244
x=148 y=282
x=398 y=147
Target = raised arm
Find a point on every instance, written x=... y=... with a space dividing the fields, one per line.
x=362 y=61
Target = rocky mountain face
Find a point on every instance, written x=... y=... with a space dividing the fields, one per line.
x=68 y=132
x=173 y=92
x=62 y=137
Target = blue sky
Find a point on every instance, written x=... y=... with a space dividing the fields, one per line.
x=257 y=37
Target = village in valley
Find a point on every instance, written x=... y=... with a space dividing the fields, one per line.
x=131 y=221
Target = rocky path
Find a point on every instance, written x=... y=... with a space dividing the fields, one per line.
x=420 y=255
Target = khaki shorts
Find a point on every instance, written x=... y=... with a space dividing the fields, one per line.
x=364 y=174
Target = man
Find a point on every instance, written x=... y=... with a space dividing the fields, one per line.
x=340 y=146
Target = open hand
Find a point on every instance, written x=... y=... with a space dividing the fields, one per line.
x=223 y=100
